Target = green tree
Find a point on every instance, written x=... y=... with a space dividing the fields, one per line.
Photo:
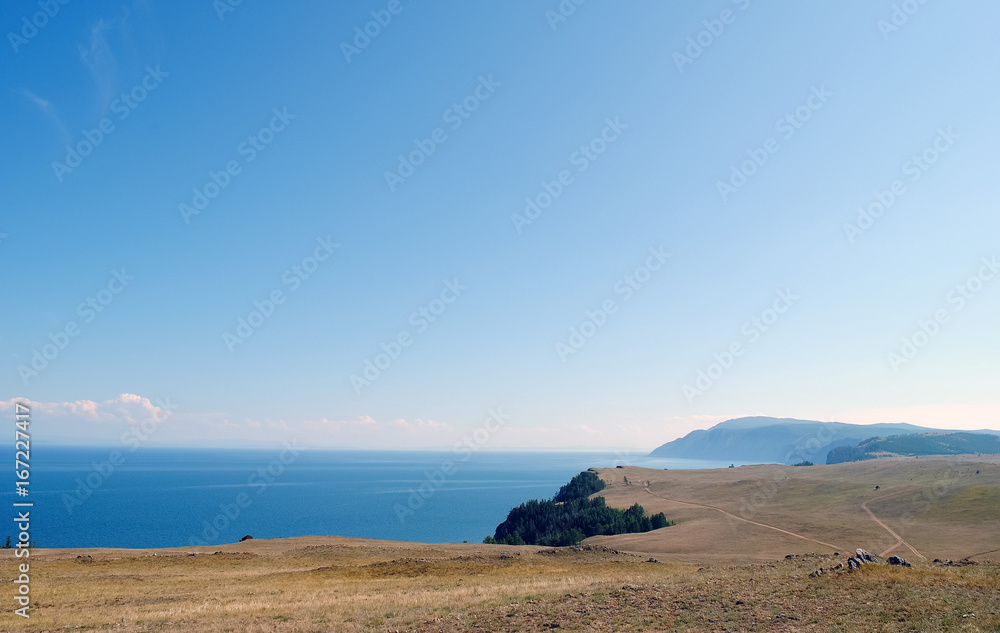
x=580 y=486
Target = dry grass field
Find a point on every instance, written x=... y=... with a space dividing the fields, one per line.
x=929 y=508
x=717 y=571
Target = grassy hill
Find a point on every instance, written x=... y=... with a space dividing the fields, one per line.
x=309 y=584
x=917 y=444
x=944 y=507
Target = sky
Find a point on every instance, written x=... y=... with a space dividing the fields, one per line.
x=404 y=224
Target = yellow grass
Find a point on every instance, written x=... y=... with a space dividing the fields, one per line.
x=722 y=567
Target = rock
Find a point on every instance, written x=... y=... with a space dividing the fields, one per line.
x=865 y=556
x=246 y=538
x=652 y=560
x=839 y=566
x=896 y=560
x=818 y=572
x=853 y=563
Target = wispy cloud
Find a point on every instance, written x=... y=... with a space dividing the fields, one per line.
x=98 y=57
x=48 y=110
x=122 y=44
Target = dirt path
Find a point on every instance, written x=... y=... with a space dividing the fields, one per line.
x=899 y=539
x=970 y=556
x=739 y=518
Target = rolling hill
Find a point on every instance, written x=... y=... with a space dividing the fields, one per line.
x=918 y=508
x=917 y=444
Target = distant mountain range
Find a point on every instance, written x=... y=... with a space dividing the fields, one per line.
x=780 y=440
x=917 y=444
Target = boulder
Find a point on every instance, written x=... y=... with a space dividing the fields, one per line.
x=865 y=556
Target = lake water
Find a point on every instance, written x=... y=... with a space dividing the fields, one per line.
x=179 y=497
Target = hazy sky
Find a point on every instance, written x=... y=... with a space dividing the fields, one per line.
x=495 y=206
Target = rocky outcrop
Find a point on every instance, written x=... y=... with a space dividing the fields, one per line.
x=865 y=557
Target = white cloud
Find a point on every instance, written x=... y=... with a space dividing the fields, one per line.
x=127 y=408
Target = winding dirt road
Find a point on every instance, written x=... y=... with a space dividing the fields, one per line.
x=739 y=518
x=899 y=539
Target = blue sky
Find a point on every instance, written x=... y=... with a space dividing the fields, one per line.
x=643 y=126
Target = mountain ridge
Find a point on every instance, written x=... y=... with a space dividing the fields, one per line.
x=781 y=440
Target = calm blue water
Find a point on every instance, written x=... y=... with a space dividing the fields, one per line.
x=177 y=497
